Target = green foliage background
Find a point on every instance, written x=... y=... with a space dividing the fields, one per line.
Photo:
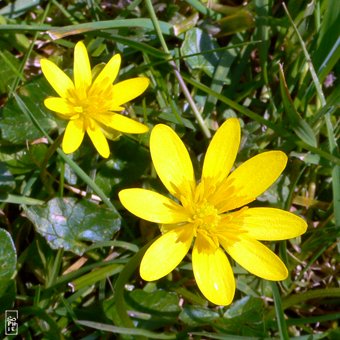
x=69 y=252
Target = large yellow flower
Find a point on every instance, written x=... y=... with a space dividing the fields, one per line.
x=207 y=212
x=90 y=102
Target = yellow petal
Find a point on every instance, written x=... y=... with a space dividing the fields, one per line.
x=152 y=206
x=129 y=89
x=74 y=135
x=61 y=83
x=222 y=151
x=251 y=179
x=60 y=105
x=164 y=255
x=109 y=72
x=171 y=160
x=213 y=273
x=165 y=228
x=98 y=139
x=269 y=224
x=81 y=69
x=256 y=258
x=122 y=123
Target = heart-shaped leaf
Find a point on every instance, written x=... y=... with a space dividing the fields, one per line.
x=68 y=223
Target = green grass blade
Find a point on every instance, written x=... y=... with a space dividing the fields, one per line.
x=248 y=113
x=15 y=199
x=61 y=32
x=135 y=44
x=279 y=130
x=308 y=59
x=281 y=321
x=298 y=124
x=23 y=28
x=127 y=331
x=96 y=275
x=333 y=147
x=305 y=296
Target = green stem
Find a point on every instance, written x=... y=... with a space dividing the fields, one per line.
x=181 y=82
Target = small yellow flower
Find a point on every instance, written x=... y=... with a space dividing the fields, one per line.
x=90 y=102
x=207 y=212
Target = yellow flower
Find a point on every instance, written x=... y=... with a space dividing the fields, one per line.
x=207 y=212
x=90 y=102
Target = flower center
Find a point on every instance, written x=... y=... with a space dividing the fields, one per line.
x=205 y=219
x=91 y=102
x=205 y=216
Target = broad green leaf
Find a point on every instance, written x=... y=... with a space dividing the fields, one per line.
x=194 y=315
x=244 y=317
x=247 y=309
x=298 y=124
x=70 y=224
x=8 y=256
x=198 y=42
x=158 y=301
x=15 y=126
